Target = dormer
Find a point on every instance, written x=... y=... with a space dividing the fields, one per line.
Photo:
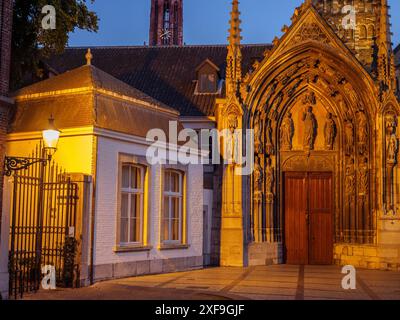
x=208 y=78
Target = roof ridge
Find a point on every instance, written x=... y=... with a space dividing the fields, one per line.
x=165 y=47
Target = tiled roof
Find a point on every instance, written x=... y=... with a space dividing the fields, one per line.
x=87 y=76
x=88 y=96
x=167 y=74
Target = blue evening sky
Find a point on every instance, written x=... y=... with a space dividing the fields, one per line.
x=126 y=22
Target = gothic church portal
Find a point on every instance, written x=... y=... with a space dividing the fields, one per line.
x=324 y=112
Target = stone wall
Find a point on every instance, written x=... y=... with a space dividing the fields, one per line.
x=368 y=256
x=261 y=254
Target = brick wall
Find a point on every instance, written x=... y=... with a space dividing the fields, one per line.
x=5 y=44
x=109 y=263
x=5 y=55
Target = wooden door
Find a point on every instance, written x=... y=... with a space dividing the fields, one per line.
x=296 y=234
x=320 y=218
x=308 y=218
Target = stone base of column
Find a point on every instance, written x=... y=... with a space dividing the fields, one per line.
x=232 y=246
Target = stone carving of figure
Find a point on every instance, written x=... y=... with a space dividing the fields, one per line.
x=258 y=175
x=350 y=183
x=330 y=132
x=362 y=132
x=271 y=91
x=232 y=143
x=286 y=132
x=392 y=144
x=269 y=177
x=363 y=180
x=258 y=135
x=275 y=106
x=392 y=149
x=349 y=137
x=269 y=145
x=310 y=129
x=232 y=122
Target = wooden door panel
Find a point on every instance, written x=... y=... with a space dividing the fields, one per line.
x=296 y=235
x=321 y=219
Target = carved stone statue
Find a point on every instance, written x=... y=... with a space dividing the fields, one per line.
x=232 y=122
x=269 y=145
x=349 y=137
x=363 y=180
x=362 y=133
x=232 y=143
x=269 y=177
x=275 y=106
x=350 y=183
x=392 y=143
x=258 y=175
x=258 y=147
x=287 y=132
x=392 y=149
x=329 y=132
x=310 y=129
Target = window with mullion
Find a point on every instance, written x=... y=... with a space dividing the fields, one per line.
x=173 y=207
x=132 y=194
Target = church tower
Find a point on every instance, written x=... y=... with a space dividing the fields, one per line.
x=166 y=23
x=370 y=25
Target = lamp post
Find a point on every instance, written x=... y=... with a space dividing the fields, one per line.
x=50 y=138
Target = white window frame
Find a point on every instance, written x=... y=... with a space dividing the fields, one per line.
x=170 y=194
x=130 y=191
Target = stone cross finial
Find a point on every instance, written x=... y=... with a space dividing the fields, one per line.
x=89 y=57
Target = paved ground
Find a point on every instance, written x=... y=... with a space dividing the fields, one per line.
x=260 y=283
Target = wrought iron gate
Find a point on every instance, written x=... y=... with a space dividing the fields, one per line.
x=42 y=227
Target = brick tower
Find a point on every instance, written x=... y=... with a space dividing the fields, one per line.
x=372 y=22
x=166 y=23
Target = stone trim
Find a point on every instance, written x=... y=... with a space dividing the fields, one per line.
x=119 y=249
x=146 y=267
x=166 y=246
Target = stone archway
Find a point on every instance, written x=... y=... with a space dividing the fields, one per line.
x=310 y=109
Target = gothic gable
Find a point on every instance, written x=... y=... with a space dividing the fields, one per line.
x=309 y=26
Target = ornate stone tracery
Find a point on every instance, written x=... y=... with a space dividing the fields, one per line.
x=327 y=98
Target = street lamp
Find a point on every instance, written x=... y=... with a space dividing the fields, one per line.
x=50 y=139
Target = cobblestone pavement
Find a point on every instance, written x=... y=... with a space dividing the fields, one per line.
x=258 y=283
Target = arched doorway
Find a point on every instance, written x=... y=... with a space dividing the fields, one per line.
x=312 y=185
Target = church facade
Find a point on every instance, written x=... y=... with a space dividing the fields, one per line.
x=322 y=101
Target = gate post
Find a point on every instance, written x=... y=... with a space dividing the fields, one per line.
x=82 y=226
x=4 y=240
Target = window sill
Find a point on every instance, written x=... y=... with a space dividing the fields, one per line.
x=174 y=246
x=132 y=248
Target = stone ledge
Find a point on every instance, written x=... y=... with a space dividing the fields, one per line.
x=145 y=267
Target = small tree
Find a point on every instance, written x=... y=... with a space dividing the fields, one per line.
x=31 y=43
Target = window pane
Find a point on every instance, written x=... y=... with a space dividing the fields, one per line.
x=175 y=208
x=124 y=230
x=136 y=178
x=175 y=181
x=135 y=230
x=135 y=205
x=125 y=176
x=124 y=218
x=167 y=181
x=166 y=207
x=175 y=229
x=165 y=230
x=124 y=205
